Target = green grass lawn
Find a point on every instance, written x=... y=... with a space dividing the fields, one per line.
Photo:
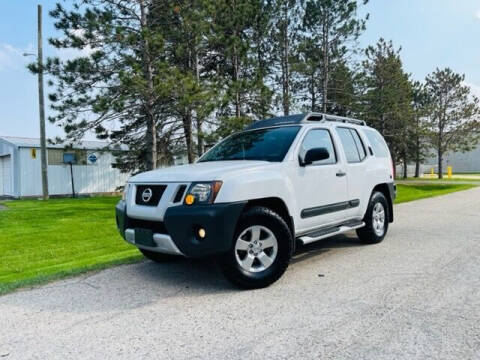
x=453 y=180
x=407 y=193
x=40 y=241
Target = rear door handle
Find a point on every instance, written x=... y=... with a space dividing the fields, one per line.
x=341 y=173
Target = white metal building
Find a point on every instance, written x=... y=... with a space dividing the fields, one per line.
x=20 y=168
x=467 y=162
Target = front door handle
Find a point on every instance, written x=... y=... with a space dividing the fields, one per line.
x=341 y=173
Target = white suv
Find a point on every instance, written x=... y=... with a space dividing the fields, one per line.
x=258 y=193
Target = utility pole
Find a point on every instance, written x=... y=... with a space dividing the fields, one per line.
x=41 y=103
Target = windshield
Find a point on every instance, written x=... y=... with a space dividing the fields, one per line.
x=264 y=144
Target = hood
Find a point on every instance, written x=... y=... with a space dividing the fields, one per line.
x=202 y=171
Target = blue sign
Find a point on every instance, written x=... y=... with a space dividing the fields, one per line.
x=69 y=158
x=92 y=158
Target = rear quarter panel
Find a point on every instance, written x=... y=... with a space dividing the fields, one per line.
x=378 y=172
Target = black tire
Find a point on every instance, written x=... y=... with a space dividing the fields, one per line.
x=233 y=271
x=158 y=257
x=367 y=234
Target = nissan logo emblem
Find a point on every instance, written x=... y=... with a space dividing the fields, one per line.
x=147 y=195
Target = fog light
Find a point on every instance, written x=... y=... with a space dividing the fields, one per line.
x=189 y=199
x=201 y=233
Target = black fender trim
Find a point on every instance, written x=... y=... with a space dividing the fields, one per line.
x=392 y=189
x=121 y=215
x=218 y=220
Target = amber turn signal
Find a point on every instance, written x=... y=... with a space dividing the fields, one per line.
x=189 y=199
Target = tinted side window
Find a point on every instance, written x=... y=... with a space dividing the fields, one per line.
x=379 y=146
x=319 y=138
x=349 y=145
x=359 y=143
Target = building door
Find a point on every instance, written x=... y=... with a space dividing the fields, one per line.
x=6 y=176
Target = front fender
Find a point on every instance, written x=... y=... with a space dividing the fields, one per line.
x=257 y=185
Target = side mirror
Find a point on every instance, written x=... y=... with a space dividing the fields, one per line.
x=315 y=154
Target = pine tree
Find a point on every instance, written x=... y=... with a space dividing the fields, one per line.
x=231 y=57
x=387 y=100
x=342 y=88
x=185 y=25
x=328 y=26
x=118 y=85
x=454 y=118
x=308 y=79
x=287 y=15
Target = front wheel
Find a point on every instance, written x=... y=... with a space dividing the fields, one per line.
x=376 y=220
x=261 y=249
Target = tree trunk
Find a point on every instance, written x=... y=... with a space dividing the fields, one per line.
x=263 y=103
x=440 y=161
x=199 y=137
x=285 y=67
x=187 y=129
x=325 y=66
x=440 y=151
x=312 y=93
x=236 y=77
x=405 y=166
x=198 y=119
x=149 y=104
x=417 y=157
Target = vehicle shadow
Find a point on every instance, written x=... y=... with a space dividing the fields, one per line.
x=197 y=275
x=139 y=285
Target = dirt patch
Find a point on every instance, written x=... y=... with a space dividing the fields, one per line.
x=3 y=207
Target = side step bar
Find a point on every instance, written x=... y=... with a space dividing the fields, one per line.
x=330 y=231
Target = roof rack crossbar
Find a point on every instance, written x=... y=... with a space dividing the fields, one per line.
x=302 y=118
x=326 y=117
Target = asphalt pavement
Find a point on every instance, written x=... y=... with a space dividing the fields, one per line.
x=414 y=296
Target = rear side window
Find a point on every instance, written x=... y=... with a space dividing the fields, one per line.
x=319 y=138
x=359 y=143
x=352 y=144
x=379 y=146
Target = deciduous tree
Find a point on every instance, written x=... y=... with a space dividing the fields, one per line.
x=453 y=121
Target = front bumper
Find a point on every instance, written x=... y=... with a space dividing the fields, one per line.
x=177 y=234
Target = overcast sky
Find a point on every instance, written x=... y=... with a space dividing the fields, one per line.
x=432 y=33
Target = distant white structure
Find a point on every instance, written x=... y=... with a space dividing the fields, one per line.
x=20 y=168
x=468 y=162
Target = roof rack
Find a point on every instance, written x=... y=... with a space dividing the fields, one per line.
x=312 y=116
x=302 y=118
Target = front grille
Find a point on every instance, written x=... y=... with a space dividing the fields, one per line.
x=158 y=227
x=180 y=192
x=149 y=195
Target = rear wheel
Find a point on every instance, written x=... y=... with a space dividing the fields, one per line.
x=376 y=220
x=158 y=257
x=261 y=249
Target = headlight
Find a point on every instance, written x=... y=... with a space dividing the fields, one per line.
x=203 y=192
x=125 y=191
